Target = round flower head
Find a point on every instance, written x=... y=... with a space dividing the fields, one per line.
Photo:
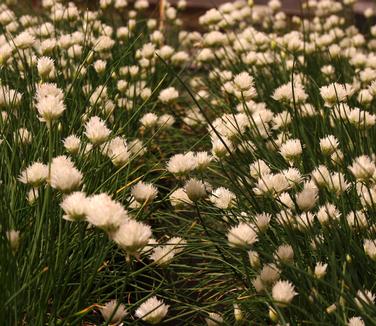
x=72 y=144
x=105 y=213
x=132 y=236
x=96 y=130
x=144 y=192
x=291 y=150
x=45 y=67
x=63 y=174
x=74 y=206
x=113 y=312
x=242 y=235
x=222 y=198
x=195 y=189
x=182 y=163
x=50 y=108
x=34 y=174
x=152 y=310
x=283 y=292
x=168 y=95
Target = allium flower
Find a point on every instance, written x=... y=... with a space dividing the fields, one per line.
x=72 y=144
x=334 y=93
x=144 y=192
x=291 y=150
x=269 y=274
x=113 y=312
x=50 y=108
x=168 y=95
x=105 y=213
x=307 y=198
x=182 y=163
x=364 y=297
x=195 y=189
x=214 y=319
x=117 y=150
x=259 y=168
x=152 y=310
x=320 y=270
x=48 y=89
x=283 y=292
x=149 y=120
x=243 y=81
x=24 y=40
x=13 y=237
x=329 y=144
x=254 y=259
x=96 y=130
x=241 y=235
x=284 y=253
x=179 y=198
x=132 y=236
x=163 y=255
x=222 y=198
x=369 y=247
x=46 y=67
x=203 y=160
x=74 y=206
x=363 y=168
x=356 y=321
x=34 y=174
x=63 y=174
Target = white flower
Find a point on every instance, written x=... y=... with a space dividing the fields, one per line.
x=105 y=213
x=284 y=253
x=369 y=247
x=132 y=236
x=307 y=198
x=283 y=292
x=291 y=149
x=168 y=95
x=182 y=163
x=259 y=168
x=50 y=108
x=329 y=144
x=113 y=312
x=334 y=93
x=320 y=270
x=243 y=81
x=72 y=144
x=222 y=198
x=152 y=310
x=144 y=192
x=179 y=198
x=149 y=120
x=34 y=174
x=96 y=130
x=214 y=319
x=163 y=255
x=24 y=40
x=241 y=235
x=362 y=168
x=356 y=321
x=13 y=237
x=63 y=174
x=46 y=67
x=203 y=160
x=117 y=150
x=364 y=297
x=74 y=206
x=195 y=189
